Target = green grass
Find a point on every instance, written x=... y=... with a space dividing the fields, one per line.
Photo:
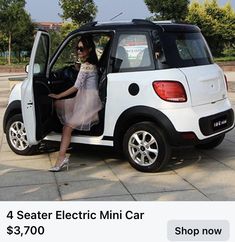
x=224 y=59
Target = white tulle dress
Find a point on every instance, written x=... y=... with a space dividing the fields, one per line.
x=81 y=112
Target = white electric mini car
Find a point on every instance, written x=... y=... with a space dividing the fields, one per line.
x=158 y=84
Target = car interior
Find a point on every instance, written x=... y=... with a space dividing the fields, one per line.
x=64 y=72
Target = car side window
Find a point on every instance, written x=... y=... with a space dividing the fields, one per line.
x=68 y=56
x=41 y=56
x=132 y=52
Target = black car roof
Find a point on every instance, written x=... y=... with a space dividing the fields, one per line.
x=137 y=24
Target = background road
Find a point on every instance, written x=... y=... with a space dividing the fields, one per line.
x=97 y=173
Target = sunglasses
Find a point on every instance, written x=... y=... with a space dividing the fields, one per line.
x=81 y=49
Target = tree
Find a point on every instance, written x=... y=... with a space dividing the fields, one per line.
x=58 y=36
x=80 y=11
x=3 y=42
x=23 y=37
x=66 y=28
x=216 y=23
x=168 y=9
x=11 y=14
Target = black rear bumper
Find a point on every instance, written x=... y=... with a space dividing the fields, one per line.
x=216 y=123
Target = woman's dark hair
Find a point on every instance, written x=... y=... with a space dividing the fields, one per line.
x=88 y=43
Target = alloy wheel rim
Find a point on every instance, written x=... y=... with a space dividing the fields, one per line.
x=143 y=148
x=17 y=135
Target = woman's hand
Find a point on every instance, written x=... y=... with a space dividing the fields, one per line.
x=66 y=93
x=55 y=96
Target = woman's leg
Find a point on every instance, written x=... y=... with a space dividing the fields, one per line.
x=65 y=141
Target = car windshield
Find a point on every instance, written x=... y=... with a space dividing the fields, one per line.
x=185 y=50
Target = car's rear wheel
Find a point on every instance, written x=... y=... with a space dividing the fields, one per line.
x=146 y=147
x=16 y=136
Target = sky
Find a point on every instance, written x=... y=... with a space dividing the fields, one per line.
x=48 y=10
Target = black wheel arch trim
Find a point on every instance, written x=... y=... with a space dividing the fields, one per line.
x=143 y=113
x=12 y=109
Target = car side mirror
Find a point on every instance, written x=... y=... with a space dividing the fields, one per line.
x=36 y=68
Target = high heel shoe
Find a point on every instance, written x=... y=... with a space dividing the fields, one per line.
x=64 y=163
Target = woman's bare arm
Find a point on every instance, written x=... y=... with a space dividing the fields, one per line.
x=66 y=93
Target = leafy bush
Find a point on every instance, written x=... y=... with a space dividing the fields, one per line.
x=229 y=52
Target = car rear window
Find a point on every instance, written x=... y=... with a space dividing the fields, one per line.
x=184 y=50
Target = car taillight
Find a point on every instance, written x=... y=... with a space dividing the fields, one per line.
x=171 y=91
x=226 y=81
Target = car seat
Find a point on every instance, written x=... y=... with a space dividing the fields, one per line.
x=145 y=58
x=123 y=56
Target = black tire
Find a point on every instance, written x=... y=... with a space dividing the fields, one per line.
x=16 y=136
x=212 y=143
x=142 y=154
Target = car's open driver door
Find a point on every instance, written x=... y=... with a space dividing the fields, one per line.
x=37 y=107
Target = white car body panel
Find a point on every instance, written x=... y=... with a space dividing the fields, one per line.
x=119 y=99
x=206 y=83
x=15 y=93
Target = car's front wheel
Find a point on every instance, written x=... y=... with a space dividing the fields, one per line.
x=16 y=136
x=146 y=147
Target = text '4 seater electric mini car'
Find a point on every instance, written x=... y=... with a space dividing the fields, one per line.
x=157 y=81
